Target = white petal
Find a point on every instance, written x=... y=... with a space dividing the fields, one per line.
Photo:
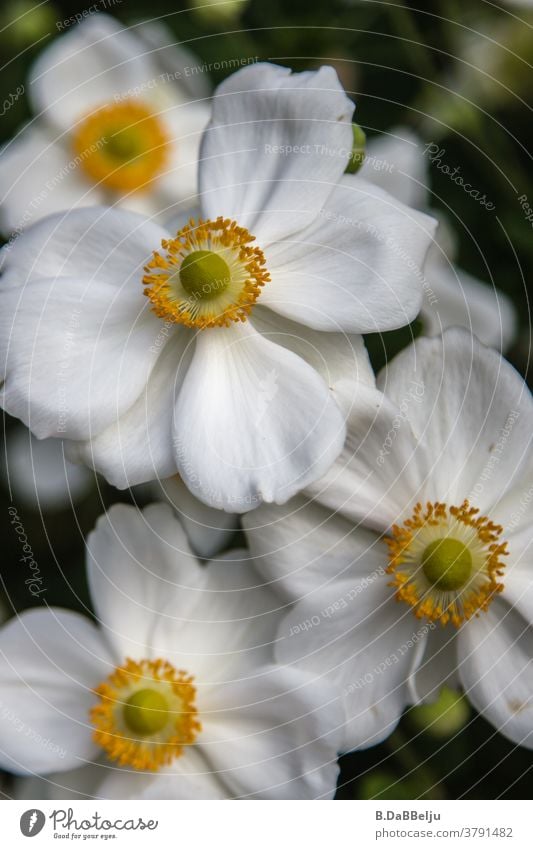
x=356 y=638
x=474 y=417
x=514 y=512
x=208 y=530
x=81 y=783
x=175 y=221
x=356 y=268
x=175 y=58
x=276 y=146
x=38 y=475
x=225 y=631
x=138 y=447
x=138 y=561
x=274 y=736
x=50 y=661
x=434 y=664
x=86 y=67
x=301 y=547
x=75 y=354
x=265 y=424
x=341 y=359
x=463 y=301
x=185 y=124
x=377 y=473
x=395 y=162
x=188 y=777
x=101 y=243
x=496 y=669
x=38 y=177
x=517 y=577
x=455 y=423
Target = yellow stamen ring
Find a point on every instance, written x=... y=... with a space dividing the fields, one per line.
x=209 y=276
x=446 y=562
x=146 y=714
x=122 y=146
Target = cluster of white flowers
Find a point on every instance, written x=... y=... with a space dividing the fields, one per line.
x=183 y=302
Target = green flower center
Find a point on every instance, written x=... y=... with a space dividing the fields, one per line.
x=204 y=275
x=123 y=144
x=146 y=712
x=447 y=563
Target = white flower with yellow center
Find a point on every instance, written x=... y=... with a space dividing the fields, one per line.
x=412 y=570
x=217 y=350
x=174 y=694
x=119 y=114
x=400 y=163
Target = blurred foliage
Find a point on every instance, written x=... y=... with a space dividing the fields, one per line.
x=458 y=74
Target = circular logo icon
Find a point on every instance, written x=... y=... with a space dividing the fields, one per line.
x=32 y=822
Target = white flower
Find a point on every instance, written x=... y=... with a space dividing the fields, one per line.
x=220 y=370
x=175 y=694
x=413 y=569
x=398 y=163
x=37 y=474
x=115 y=121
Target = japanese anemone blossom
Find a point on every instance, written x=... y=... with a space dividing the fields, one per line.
x=174 y=694
x=412 y=569
x=118 y=121
x=217 y=351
